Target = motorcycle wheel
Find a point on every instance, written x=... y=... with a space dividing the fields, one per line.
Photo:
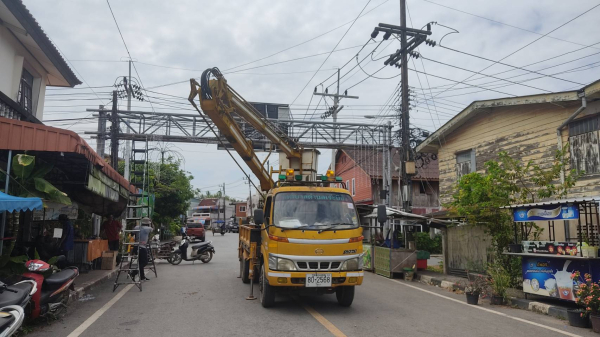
x=206 y=257
x=222 y=232
x=176 y=259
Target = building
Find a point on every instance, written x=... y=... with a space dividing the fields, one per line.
x=218 y=208
x=29 y=63
x=361 y=172
x=241 y=209
x=527 y=127
x=530 y=128
x=193 y=202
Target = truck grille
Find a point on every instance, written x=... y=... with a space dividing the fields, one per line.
x=323 y=265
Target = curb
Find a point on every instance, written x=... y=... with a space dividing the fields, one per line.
x=539 y=307
x=430 y=280
x=84 y=287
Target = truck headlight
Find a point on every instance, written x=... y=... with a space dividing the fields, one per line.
x=284 y=264
x=352 y=264
x=277 y=263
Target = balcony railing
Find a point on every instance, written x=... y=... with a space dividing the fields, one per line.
x=11 y=109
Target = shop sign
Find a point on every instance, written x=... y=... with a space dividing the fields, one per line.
x=52 y=210
x=552 y=277
x=547 y=212
x=97 y=186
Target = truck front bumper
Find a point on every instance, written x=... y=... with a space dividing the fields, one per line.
x=297 y=279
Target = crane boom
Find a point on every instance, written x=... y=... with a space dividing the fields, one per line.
x=220 y=102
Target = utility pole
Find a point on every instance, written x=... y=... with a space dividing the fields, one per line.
x=404 y=119
x=333 y=111
x=247 y=181
x=407 y=47
x=128 y=142
x=114 y=134
x=101 y=141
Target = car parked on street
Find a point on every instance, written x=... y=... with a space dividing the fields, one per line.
x=233 y=227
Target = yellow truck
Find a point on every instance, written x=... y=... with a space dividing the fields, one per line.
x=307 y=238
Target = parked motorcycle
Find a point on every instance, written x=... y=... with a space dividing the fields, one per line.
x=53 y=291
x=202 y=251
x=11 y=318
x=223 y=229
x=13 y=300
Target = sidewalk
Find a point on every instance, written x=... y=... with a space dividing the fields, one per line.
x=543 y=305
x=87 y=281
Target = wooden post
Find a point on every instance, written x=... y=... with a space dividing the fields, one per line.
x=445 y=249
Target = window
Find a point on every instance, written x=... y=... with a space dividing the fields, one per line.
x=26 y=90
x=422 y=188
x=314 y=211
x=583 y=142
x=348 y=185
x=465 y=162
x=353 y=187
x=273 y=111
x=242 y=208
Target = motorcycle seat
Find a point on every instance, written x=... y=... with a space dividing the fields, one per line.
x=10 y=298
x=200 y=245
x=60 y=277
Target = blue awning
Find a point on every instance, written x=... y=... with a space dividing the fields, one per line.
x=11 y=203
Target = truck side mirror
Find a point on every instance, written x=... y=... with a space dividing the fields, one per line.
x=381 y=214
x=258 y=216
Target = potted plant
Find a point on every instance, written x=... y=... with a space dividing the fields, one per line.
x=588 y=297
x=498 y=283
x=474 y=286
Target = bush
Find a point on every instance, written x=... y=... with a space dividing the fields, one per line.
x=424 y=242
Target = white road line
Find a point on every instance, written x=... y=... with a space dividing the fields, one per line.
x=488 y=310
x=80 y=329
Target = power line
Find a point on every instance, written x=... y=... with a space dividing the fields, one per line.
x=309 y=40
x=523 y=47
x=500 y=22
x=334 y=48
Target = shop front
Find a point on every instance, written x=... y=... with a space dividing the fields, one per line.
x=95 y=189
x=558 y=238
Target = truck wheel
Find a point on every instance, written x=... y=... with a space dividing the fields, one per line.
x=345 y=295
x=267 y=293
x=245 y=268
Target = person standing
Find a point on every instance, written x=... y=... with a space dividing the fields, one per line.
x=68 y=235
x=142 y=237
x=112 y=228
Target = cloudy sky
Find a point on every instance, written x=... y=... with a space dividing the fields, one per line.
x=250 y=41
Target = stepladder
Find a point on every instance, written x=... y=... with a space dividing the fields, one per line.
x=128 y=272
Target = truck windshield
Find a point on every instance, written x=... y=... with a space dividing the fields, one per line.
x=314 y=210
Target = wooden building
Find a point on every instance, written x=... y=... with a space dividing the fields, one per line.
x=528 y=128
x=361 y=171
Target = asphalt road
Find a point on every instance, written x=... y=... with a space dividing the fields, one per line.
x=209 y=300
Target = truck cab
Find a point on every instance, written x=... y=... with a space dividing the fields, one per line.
x=311 y=242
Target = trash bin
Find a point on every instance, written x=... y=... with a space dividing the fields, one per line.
x=409 y=273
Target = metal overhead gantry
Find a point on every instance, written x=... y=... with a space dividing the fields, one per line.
x=191 y=128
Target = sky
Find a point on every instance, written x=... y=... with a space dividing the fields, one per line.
x=255 y=44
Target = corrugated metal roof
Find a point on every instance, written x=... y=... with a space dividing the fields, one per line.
x=557 y=202
x=24 y=136
x=372 y=162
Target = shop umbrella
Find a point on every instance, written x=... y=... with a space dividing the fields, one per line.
x=11 y=203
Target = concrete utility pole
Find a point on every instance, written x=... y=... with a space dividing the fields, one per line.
x=128 y=142
x=333 y=111
x=114 y=134
x=417 y=36
x=404 y=119
x=101 y=141
x=247 y=181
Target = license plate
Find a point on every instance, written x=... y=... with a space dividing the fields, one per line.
x=318 y=280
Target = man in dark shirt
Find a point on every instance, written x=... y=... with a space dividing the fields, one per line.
x=68 y=235
x=142 y=237
x=112 y=228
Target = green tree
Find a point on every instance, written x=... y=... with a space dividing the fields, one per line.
x=172 y=189
x=478 y=197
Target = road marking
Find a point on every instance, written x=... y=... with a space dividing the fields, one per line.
x=488 y=310
x=327 y=324
x=80 y=329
